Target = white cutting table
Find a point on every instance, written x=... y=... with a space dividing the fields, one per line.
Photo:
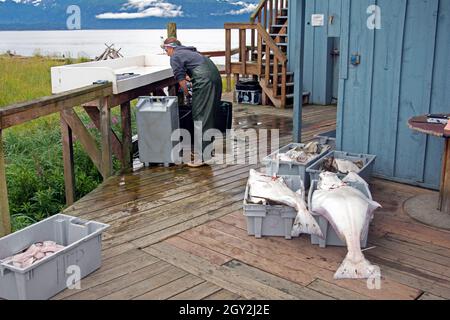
x=125 y=74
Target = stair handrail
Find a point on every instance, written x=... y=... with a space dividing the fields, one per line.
x=269 y=41
x=258 y=10
x=278 y=56
x=266 y=11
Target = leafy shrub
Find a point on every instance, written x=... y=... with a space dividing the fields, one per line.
x=33 y=151
x=35 y=175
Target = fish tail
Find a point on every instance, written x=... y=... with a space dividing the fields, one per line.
x=356 y=269
x=306 y=224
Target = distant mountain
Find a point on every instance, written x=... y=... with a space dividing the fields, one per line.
x=123 y=14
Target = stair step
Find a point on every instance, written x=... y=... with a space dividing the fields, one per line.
x=280 y=44
x=289 y=84
x=278 y=26
x=287 y=74
x=271 y=64
x=283 y=17
x=278 y=35
x=291 y=95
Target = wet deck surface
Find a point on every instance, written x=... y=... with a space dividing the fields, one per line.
x=179 y=233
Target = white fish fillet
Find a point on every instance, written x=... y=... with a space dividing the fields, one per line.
x=349 y=211
x=346 y=166
x=33 y=254
x=276 y=190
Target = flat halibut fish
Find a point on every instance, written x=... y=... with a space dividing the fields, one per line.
x=263 y=187
x=350 y=212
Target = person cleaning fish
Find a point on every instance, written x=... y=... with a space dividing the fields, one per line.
x=190 y=66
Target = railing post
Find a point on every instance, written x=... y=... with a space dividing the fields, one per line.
x=283 y=85
x=260 y=54
x=277 y=9
x=253 y=43
x=5 y=219
x=68 y=158
x=105 y=125
x=267 y=64
x=265 y=16
x=127 y=136
x=270 y=2
x=171 y=30
x=243 y=53
x=275 y=76
x=228 y=57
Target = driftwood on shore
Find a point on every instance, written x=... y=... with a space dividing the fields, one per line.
x=110 y=53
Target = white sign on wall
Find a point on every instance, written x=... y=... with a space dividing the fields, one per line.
x=318 y=20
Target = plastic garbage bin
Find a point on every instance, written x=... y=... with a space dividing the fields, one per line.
x=157 y=119
x=224 y=117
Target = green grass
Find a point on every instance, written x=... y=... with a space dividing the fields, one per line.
x=33 y=150
x=24 y=79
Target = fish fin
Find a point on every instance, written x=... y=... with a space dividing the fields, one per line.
x=361 y=269
x=373 y=205
x=306 y=224
x=353 y=177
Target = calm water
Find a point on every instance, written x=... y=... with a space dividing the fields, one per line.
x=91 y=43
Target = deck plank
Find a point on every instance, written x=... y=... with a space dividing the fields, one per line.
x=223 y=295
x=172 y=289
x=300 y=292
x=335 y=291
x=219 y=275
x=312 y=264
x=142 y=287
x=199 y=292
x=131 y=278
x=429 y=296
x=199 y=251
x=112 y=271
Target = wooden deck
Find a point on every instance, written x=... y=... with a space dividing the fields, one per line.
x=179 y=233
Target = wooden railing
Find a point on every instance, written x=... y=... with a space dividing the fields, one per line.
x=267 y=11
x=247 y=62
x=219 y=54
x=97 y=100
x=266 y=14
x=272 y=75
x=266 y=60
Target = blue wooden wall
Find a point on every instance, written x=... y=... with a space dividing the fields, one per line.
x=404 y=71
x=319 y=42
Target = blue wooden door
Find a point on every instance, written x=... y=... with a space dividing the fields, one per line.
x=404 y=71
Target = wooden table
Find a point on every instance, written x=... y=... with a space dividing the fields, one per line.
x=423 y=207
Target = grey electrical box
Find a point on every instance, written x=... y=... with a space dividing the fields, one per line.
x=157 y=119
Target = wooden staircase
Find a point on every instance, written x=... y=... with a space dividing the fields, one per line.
x=263 y=55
